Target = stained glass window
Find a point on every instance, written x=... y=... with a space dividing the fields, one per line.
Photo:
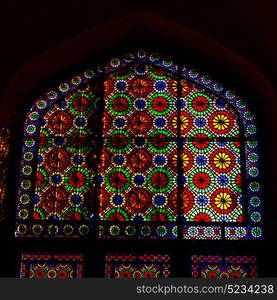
x=41 y=266
x=216 y=266
x=137 y=266
x=142 y=148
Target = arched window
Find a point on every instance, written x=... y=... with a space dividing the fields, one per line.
x=142 y=148
x=55 y=266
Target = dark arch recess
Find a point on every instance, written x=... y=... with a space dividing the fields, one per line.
x=142 y=30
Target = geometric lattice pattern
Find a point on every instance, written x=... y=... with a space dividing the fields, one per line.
x=41 y=266
x=210 y=266
x=141 y=266
x=137 y=149
x=144 y=144
x=65 y=166
x=66 y=160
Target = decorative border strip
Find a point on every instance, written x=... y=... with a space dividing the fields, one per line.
x=202 y=232
x=76 y=259
x=162 y=259
x=48 y=257
x=198 y=261
x=241 y=259
x=144 y=231
x=207 y=258
x=38 y=229
x=137 y=258
x=243 y=233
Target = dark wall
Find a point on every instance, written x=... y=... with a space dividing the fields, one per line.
x=29 y=27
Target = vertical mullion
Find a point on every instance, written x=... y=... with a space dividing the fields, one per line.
x=179 y=158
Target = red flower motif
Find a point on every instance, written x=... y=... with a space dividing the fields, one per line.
x=222 y=160
x=201 y=141
x=118 y=180
x=120 y=104
x=160 y=104
x=126 y=274
x=141 y=87
x=77 y=179
x=200 y=103
x=139 y=200
x=63 y=274
x=139 y=160
x=140 y=122
x=159 y=180
x=58 y=160
x=221 y=122
x=40 y=274
x=54 y=201
x=201 y=180
x=60 y=122
x=80 y=103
